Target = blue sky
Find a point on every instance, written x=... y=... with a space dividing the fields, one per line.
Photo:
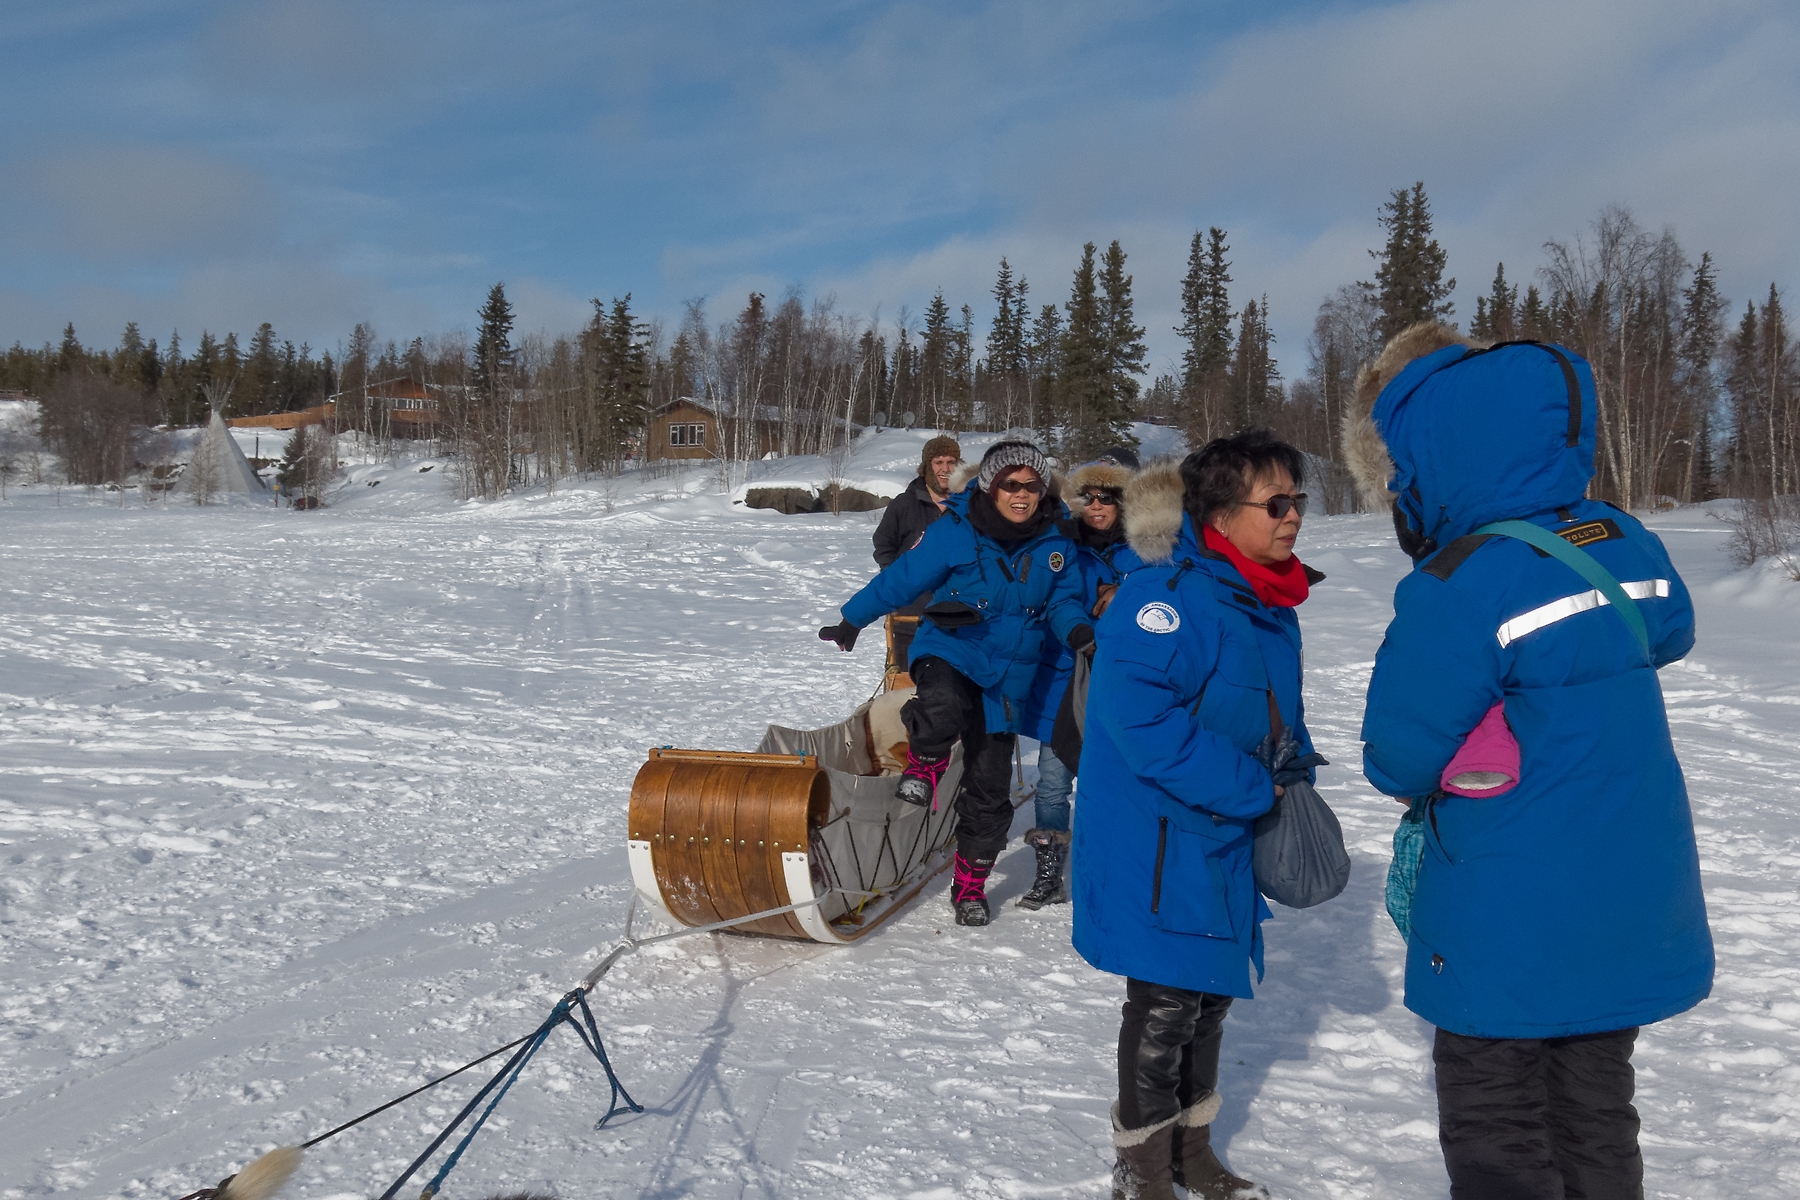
x=315 y=164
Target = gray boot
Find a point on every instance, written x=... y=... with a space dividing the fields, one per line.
x=1143 y=1169
x=1052 y=847
x=1196 y=1167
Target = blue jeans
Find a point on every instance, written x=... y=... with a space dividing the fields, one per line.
x=1055 y=785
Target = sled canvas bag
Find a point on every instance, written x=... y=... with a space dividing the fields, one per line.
x=1409 y=838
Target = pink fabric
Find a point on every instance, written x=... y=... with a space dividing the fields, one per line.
x=1490 y=749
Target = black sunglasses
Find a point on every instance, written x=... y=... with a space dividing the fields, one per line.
x=1012 y=486
x=1106 y=498
x=1277 y=506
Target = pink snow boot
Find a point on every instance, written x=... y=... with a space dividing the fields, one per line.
x=918 y=783
x=968 y=890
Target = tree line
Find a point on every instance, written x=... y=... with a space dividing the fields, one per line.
x=1688 y=409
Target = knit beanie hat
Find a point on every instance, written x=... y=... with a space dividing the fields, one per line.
x=1016 y=448
x=938 y=447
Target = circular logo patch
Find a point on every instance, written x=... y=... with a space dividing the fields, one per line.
x=1158 y=618
x=1057 y=560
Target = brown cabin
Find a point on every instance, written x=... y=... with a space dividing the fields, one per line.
x=285 y=420
x=684 y=429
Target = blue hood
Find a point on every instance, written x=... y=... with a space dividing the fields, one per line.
x=1479 y=436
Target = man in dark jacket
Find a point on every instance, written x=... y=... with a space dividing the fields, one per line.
x=911 y=513
x=907 y=518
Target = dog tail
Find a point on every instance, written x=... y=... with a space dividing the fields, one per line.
x=262 y=1179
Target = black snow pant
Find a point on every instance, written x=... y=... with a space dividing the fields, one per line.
x=1168 y=1050
x=1539 y=1118
x=948 y=706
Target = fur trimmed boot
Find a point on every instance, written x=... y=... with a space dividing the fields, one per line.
x=1142 y=1170
x=919 y=781
x=1196 y=1167
x=968 y=890
x=1052 y=848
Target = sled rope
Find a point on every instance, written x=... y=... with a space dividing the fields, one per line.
x=507 y=1076
x=524 y=1048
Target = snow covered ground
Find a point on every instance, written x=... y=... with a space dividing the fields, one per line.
x=298 y=810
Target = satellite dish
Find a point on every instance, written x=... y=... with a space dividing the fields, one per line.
x=907 y=419
x=879 y=419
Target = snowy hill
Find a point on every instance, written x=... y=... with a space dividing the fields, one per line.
x=302 y=809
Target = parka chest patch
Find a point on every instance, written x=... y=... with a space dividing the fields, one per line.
x=1158 y=618
x=1057 y=560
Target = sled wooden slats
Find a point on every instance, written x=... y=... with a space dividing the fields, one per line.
x=718 y=823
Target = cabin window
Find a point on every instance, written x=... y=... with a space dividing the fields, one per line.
x=688 y=435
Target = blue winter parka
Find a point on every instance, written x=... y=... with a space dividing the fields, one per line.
x=1178 y=704
x=1027 y=592
x=1099 y=565
x=1571 y=904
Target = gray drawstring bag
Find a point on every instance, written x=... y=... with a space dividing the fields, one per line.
x=1298 y=858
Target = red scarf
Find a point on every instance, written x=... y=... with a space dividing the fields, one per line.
x=1280 y=585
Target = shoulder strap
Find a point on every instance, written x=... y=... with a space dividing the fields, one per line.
x=1583 y=564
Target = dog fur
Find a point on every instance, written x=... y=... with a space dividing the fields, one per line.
x=1152 y=510
x=262 y=1178
x=1365 y=453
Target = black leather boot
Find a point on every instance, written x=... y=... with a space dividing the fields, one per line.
x=1052 y=848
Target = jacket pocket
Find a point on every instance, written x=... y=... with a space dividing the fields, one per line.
x=1188 y=885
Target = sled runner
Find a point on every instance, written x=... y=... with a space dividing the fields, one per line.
x=720 y=834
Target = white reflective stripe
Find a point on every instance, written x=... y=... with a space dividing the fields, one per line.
x=1568 y=606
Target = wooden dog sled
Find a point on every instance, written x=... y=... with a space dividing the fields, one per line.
x=719 y=834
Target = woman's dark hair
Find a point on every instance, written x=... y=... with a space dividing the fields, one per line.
x=1221 y=473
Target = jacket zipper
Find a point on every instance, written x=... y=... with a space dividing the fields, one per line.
x=1162 y=843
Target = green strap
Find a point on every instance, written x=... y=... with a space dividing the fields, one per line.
x=1583 y=564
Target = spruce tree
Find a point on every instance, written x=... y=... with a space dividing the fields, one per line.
x=1006 y=337
x=1534 y=316
x=1409 y=283
x=1045 y=354
x=1701 y=308
x=1124 y=353
x=1081 y=391
x=71 y=356
x=1253 y=379
x=1206 y=328
x=1496 y=314
x=934 y=361
x=491 y=372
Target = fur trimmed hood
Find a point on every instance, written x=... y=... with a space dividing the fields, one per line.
x=1365 y=453
x=1153 y=510
x=959 y=478
x=1098 y=474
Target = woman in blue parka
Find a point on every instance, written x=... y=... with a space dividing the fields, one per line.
x=1004 y=581
x=1548 y=922
x=1104 y=557
x=1197 y=661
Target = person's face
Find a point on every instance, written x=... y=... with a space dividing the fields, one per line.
x=942 y=467
x=1016 y=493
x=1102 y=511
x=1248 y=525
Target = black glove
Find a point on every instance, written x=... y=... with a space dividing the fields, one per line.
x=1081 y=635
x=843 y=633
x=1284 y=761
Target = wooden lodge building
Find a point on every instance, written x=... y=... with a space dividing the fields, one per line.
x=684 y=429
